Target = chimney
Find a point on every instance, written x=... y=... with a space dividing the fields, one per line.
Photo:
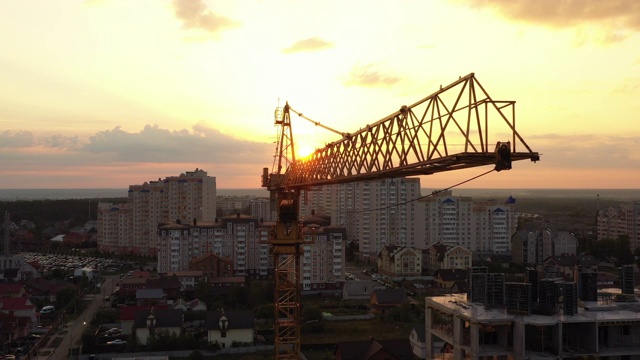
x=6 y=233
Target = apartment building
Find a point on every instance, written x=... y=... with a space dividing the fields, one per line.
x=622 y=220
x=535 y=246
x=374 y=213
x=447 y=219
x=484 y=227
x=132 y=227
x=323 y=258
x=237 y=245
x=240 y=238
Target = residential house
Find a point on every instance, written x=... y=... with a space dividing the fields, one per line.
x=372 y=349
x=417 y=341
x=169 y=284
x=20 y=307
x=30 y=270
x=128 y=316
x=150 y=297
x=12 y=290
x=382 y=300
x=129 y=286
x=212 y=266
x=360 y=290
x=188 y=278
x=150 y=322
x=227 y=327
x=399 y=261
x=193 y=305
x=451 y=279
x=141 y=274
x=39 y=289
x=445 y=256
x=10 y=328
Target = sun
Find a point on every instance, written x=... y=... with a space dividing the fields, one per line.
x=304 y=151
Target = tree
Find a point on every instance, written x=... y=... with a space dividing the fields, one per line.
x=311 y=319
x=66 y=295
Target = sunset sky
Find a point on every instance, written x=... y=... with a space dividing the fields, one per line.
x=109 y=93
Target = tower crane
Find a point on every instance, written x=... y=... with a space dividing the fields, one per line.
x=447 y=130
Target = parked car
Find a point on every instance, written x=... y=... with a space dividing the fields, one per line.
x=47 y=309
x=113 y=332
x=117 y=342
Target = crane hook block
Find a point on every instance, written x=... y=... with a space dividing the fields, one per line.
x=503 y=156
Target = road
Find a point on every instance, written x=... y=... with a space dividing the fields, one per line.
x=76 y=327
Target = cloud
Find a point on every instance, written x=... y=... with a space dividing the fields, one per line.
x=153 y=144
x=196 y=15
x=16 y=139
x=368 y=76
x=310 y=44
x=60 y=141
x=584 y=151
x=615 y=17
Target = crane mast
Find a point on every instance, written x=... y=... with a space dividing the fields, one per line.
x=448 y=130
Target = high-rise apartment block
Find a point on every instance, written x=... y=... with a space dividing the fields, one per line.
x=484 y=227
x=375 y=213
x=132 y=227
x=535 y=246
x=622 y=220
x=240 y=238
x=323 y=258
x=392 y=211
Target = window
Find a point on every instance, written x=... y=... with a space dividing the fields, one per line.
x=223 y=334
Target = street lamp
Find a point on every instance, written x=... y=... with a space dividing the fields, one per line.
x=71 y=339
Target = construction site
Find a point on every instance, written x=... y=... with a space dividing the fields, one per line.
x=544 y=317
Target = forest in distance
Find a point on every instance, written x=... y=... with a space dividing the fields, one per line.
x=63 y=194
x=575 y=214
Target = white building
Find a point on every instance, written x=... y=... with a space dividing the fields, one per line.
x=622 y=220
x=241 y=238
x=323 y=260
x=484 y=227
x=375 y=213
x=244 y=241
x=228 y=327
x=132 y=227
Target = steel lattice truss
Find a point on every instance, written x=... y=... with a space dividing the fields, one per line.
x=456 y=127
x=287 y=304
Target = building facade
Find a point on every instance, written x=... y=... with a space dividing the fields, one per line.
x=374 y=213
x=323 y=258
x=534 y=246
x=237 y=246
x=441 y=256
x=398 y=261
x=484 y=227
x=598 y=329
x=240 y=238
x=614 y=222
x=132 y=227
